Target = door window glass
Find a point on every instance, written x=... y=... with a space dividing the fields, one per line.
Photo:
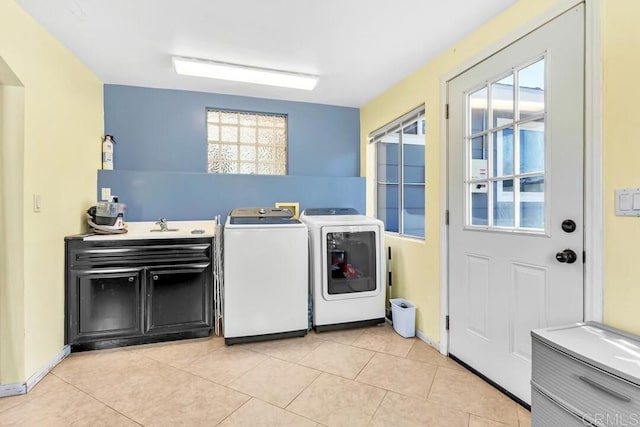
x=351 y=262
x=511 y=193
x=502 y=101
x=531 y=90
x=478 y=110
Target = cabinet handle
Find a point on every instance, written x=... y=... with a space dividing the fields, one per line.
x=155 y=277
x=131 y=279
x=605 y=389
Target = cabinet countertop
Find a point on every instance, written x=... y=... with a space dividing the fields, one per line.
x=142 y=230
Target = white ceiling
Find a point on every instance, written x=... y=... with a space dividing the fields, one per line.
x=359 y=48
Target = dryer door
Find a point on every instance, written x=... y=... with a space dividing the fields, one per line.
x=351 y=261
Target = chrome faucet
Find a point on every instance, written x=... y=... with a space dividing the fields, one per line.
x=162 y=222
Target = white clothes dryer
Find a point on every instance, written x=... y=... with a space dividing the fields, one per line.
x=266 y=280
x=346 y=268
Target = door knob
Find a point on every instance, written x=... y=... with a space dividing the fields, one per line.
x=567 y=256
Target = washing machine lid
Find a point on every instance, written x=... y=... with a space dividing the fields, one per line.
x=262 y=216
x=330 y=211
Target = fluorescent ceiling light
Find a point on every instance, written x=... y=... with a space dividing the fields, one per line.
x=243 y=73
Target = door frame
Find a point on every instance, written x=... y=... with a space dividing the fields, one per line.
x=593 y=195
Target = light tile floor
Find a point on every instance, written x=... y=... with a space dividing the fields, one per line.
x=369 y=376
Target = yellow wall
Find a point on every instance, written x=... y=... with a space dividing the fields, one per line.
x=416 y=265
x=621 y=150
x=11 y=227
x=63 y=124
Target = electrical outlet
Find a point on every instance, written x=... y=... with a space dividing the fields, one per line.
x=106 y=194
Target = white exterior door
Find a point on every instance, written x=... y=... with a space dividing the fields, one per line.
x=516 y=199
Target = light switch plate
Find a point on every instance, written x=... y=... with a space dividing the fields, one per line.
x=37 y=203
x=628 y=202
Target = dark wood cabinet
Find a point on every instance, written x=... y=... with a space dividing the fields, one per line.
x=107 y=303
x=124 y=292
x=177 y=298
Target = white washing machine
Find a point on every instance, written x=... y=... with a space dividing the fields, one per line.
x=347 y=268
x=266 y=280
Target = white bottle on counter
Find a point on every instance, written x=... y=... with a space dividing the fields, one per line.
x=107 y=153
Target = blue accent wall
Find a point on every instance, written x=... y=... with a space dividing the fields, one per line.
x=188 y=196
x=160 y=157
x=165 y=130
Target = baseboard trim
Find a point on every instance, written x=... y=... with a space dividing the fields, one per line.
x=17 y=389
x=7 y=390
x=42 y=372
x=423 y=337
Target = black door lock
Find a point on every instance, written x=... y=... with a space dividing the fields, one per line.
x=569 y=226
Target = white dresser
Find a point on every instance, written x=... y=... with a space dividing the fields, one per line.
x=585 y=374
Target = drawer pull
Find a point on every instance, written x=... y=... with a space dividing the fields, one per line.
x=607 y=390
x=131 y=279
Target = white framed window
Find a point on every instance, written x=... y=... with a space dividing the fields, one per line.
x=400 y=174
x=241 y=142
x=505 y=151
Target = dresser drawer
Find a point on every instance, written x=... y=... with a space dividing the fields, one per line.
x=601 y=398
x=547 y=413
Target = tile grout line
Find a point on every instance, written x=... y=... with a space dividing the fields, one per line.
x=384 y=396
x=433 y=380
x=298 y=395
x=262 y=362
x=235 y=410
x=302 y=391
x=364 y=366
x=96 y=399
x=413 y=344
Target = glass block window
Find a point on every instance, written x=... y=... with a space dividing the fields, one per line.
x=400 y=174
x=246 y=143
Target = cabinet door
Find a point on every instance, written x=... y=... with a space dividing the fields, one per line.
x=104 y=303
x=179 y=298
